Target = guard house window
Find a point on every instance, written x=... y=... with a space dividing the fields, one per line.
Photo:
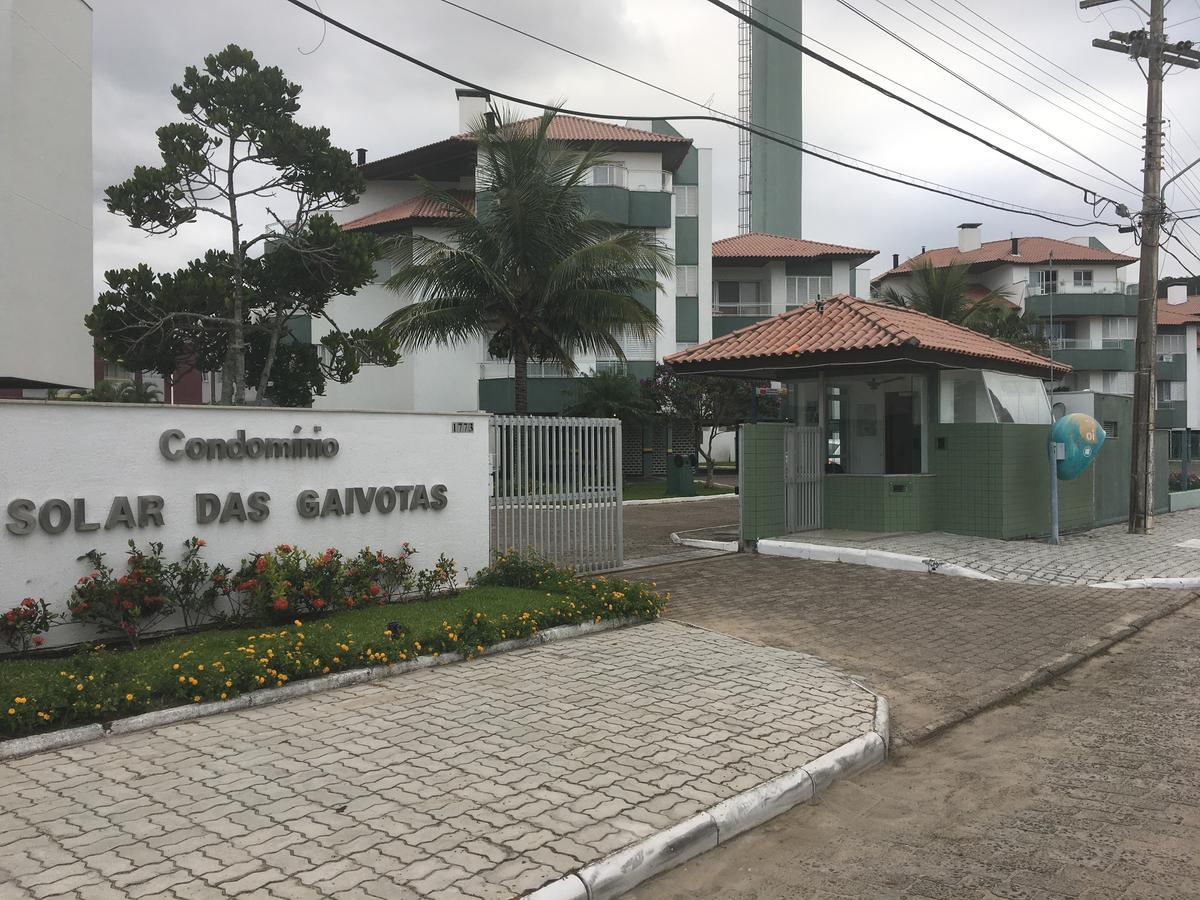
x=1082 y=278
x=804 y=289
x=687 y=200
x=740 y=298
x=687 y=281
x=1045 y=281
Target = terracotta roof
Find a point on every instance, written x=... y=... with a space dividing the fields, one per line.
x=1179 y=313
x=1033 y=250
x=574 y=128
x=415 y=208
x=758 y=245
x=849 y=323
x=569 y=129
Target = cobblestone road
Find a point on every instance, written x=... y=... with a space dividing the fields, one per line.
x=1103 y=554
x=1089 y=788
x=648 y=527
x=935 y=646
x=483 y=779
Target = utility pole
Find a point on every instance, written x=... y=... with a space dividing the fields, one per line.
x=1149 y=44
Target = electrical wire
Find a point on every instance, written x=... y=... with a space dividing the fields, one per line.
x=1095 y=199
x=957 y=76
x=966 y=195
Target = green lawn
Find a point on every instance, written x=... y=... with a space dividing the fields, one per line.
x=657 y=490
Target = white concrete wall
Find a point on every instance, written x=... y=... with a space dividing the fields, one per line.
x=705 y=249
x=46 y=190
x=1193 y=376
x=92 y=453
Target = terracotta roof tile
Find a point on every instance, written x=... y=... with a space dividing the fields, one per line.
x=759 y=245
x=1179 y=313
x=849 y=323
x=1033 y=250
x=574 y=128
x=419 y=207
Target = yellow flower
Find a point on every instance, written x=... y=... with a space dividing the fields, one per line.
x=223 y=695
x=129 y=696
x=297 y=622
x=175 y=666
x=19 y=699
x=479 y=647
x=11 y=711
x=79 y=687
x=200 y=668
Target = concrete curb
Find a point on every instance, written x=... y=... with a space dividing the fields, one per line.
x=71 y=737
x=862 y=556
x=678 y=499
x=702 y=544
x=1176 y=584
x=1040 y=676
x=624 y=870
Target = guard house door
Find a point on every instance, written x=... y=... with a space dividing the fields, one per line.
x=803 y=465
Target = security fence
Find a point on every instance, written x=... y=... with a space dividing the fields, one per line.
x=556 y=489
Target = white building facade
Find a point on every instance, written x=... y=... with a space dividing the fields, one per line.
x=653 y=178
x=45 y=195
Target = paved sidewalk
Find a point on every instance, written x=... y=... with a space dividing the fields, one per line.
x=937 y=647
x=1089 y=789
x=1103 y=554
x=483 y=779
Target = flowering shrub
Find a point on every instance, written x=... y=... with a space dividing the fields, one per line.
x=102 y=684
x=375 y=577
x=442 y=578
x=131 y=603
x=22 y=626
x=1175 y=481
x=193 y=586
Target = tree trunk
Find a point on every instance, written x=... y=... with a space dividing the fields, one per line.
x=709 y=463
x=265 y=378
x=233 y=384
x=520 y=383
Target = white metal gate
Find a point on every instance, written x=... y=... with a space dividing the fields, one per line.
x=556 y=489
x=802 y=478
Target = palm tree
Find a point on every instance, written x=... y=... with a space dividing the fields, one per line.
x=614 y=395
x=529 y=269
x=944 y=293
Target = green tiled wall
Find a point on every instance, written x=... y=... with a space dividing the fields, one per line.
x=687 y=318
x=879 y=502
x=761 y=461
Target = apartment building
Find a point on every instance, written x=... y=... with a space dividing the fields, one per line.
x=1076 y=288
x=652 y=177
x=45 y=195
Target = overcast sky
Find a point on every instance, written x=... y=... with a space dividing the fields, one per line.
x=373 y=100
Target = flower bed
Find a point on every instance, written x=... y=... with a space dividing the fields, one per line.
x=514 y=598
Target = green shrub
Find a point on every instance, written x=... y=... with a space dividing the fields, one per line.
x=23 y=626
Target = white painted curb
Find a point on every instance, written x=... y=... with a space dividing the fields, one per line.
x=861 y=556
x=702 y=544
x=678 y=499
x=1153 y=583
x=624 y=870
x=70 y=737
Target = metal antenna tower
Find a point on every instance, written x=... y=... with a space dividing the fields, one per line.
x=745 y=109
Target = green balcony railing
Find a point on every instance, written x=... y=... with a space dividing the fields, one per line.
x=1171 y=414
x=1091 y=304
x=1107 y=356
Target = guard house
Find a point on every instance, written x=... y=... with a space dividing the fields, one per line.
x=898 y=422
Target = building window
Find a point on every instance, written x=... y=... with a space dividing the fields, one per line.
x=116 y=372
x=687 y=200
x=633 y=345
x=1177 y=444
x=609 y=176
x=613 y=366
x=1083 y=278
x=687 y=281
x=1169 y=344
x=804 y=289
x=1117 y=329
x=1111 y=429
x=1045 y=281
x=1171 y=391
x=740 y=298
x=1118 y=383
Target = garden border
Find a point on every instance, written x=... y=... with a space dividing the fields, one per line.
x=630 y=866
x=83 y=734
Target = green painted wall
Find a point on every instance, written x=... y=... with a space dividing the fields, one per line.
x=1174 y=369
x=639 y=209
x=761 y=460
x=689 y=170
x=1116 y=359
x=809 y=267
x=725 y=324
x=687 y=318
x=879 y=502
x=1112 y=464
x=1082 y=304
x=546 y=395
x=1171 y=415
x=648 y=297
x=687 y=241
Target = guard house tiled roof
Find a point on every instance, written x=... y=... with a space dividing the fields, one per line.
x=846 y=325
x=1032 y=251
x=419 y=208
x=759 y=245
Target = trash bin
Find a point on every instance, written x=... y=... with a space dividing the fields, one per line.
x=681 y=475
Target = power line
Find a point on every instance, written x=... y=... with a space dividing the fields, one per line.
x=824 y=60
x=429 y=67
x=966 y=195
